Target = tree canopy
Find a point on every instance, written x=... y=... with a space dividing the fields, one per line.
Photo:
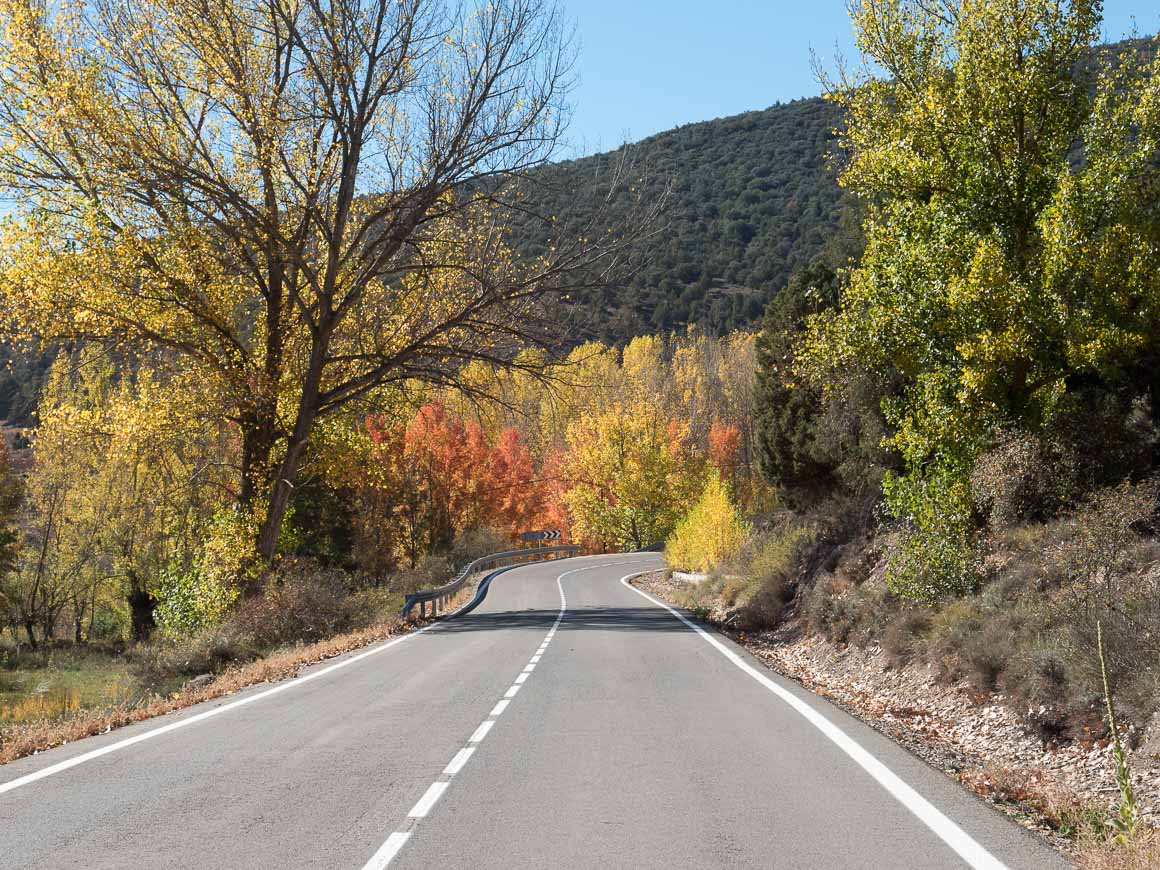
x=272 y=195
x=1011 y=240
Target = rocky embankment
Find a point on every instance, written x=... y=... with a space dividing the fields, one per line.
x=977 y=739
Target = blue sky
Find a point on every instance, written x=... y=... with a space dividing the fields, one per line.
x=649 y=65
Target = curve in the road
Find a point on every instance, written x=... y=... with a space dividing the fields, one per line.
x=628 y=737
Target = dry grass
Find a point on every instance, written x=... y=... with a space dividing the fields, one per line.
x=1034 y=793
x=20 y=741
x=1141 y=853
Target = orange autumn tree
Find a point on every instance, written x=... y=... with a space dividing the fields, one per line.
x=420 y=485
x=724 y=443
x=518 y=499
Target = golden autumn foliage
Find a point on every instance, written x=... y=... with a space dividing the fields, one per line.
x=273 y=194
x=710 y=534
x=628 y=471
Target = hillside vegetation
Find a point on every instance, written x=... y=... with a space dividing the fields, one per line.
x=750 y=200
x=944 y=440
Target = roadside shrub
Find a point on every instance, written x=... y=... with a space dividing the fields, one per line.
x=832 y=608
x=302 y=603
x=192 y=598
x=766 y=606
x=374 y=605
x=189 y=601
x=1040 y=673
x=904 y=636
x=938 y=553
x=710 y=534
x=431 y=571
x=1108 y=536
x=1023 y=477
x=208 y=651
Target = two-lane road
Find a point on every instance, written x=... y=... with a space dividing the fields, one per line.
x=569 y=721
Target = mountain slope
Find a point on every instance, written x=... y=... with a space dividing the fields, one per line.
x=751 y=200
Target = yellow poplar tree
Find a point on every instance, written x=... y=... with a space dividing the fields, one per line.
x=630 y=476
x=711 y=533
x=301 y=201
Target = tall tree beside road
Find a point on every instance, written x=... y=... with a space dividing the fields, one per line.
x=302 y=201
x=1010 y=243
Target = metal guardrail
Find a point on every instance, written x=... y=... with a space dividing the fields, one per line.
x=441 y=596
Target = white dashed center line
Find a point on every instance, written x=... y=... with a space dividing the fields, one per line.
x=481 y=732
x=398 y=839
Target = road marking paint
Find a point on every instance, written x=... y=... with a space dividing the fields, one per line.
x=395 y=841
x=536 y=658
x=387 y=851
x=946 y=830
x=429 y=799
x=481 y=732
x=456 y=764
x=285 y=686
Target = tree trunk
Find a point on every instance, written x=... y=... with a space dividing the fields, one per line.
x=257 y=444
x=282 y=487
x=141 y=611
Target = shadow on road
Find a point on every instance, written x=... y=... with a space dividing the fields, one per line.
x=584 y=618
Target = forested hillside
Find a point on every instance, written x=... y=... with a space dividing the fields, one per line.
x=751 y=200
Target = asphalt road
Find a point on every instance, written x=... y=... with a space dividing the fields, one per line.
x=630 y=738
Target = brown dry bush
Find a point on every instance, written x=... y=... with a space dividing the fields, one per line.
x=905 y=635
x=431 y=571
x=1100 y=853
x=773 y=563
x=1024 y=477
x=302 y=603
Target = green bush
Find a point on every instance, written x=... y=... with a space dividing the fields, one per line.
x=189 y=601
x=938 y=551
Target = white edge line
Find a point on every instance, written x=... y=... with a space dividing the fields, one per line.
x=950 y=833
x=429 y=799
x=283 y=686
x=387 y=851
